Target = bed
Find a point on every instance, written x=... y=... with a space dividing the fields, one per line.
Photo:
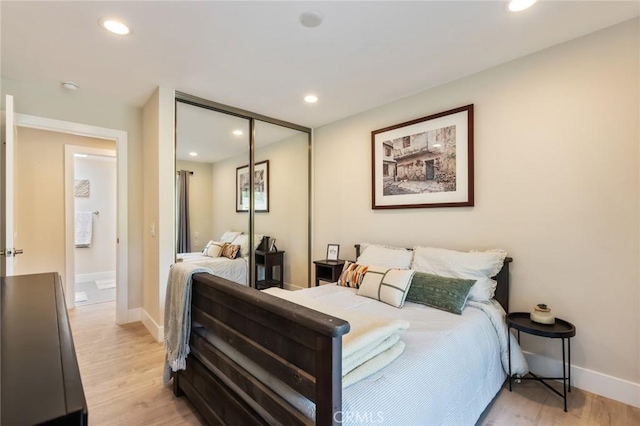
x=235 y=270
x=231 y=269
x=301 y=348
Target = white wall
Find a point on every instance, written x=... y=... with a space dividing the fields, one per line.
x=200 y=202
x=287 y=219
x=101 y=173
x=51 y=101
x=556 y=181
x=159 y=206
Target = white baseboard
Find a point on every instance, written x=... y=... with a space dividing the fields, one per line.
x=94 y=276
x=592 y=381
x=156 y=330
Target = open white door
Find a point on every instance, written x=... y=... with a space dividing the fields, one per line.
x=7 y=249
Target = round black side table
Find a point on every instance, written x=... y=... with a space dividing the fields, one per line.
x=561 y=329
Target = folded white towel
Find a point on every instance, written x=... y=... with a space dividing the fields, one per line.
x=84 y=229
x=369 y=337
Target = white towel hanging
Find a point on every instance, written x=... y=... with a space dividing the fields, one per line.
x=84 y=229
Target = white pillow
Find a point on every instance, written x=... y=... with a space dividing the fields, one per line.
x=229 y=236
x=214 y=248
x=206 y=247
x=481 y=266
x=242 y=240
x=386 y=285
x=384 y=256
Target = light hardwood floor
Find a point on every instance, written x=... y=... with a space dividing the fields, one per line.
x=121 y=368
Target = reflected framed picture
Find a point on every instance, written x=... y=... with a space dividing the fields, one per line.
x=261 y=187
x=427 y=162
x=333 y=250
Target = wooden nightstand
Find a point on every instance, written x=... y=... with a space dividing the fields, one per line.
x=328 y=270
x=268 y=260
x=562 y=329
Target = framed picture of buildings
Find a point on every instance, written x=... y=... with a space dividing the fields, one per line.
x=261 y=187
x=427 y=162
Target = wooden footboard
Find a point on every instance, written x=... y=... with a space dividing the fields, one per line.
x=299 y=346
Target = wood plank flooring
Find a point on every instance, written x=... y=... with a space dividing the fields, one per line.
x=121 y=368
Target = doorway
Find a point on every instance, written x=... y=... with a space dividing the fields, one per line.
x=120 y=138
x=94 y=183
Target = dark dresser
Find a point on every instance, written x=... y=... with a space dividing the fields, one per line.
x=40 y=376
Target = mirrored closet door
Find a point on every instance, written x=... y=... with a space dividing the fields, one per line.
x=222 y=152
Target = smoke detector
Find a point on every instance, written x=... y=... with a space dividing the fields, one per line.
x=69 y=85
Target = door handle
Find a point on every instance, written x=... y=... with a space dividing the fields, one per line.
x=17 y=251
x=7 y=253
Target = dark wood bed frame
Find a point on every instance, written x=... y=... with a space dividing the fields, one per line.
x=299 y=346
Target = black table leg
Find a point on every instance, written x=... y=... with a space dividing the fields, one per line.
x=564 y=377
x=569 y=347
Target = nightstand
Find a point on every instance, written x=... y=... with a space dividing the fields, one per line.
x=561 y=329
x=328 y=270
x=269 y=260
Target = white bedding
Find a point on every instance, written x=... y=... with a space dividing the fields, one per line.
x=231 y=269
x=449 y=372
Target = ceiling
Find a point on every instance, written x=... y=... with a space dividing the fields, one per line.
x=256 y=55
x=210 y=134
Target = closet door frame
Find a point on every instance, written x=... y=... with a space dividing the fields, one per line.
x=253 y=117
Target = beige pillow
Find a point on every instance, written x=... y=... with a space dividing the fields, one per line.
x=386 y=285
x=214 y=248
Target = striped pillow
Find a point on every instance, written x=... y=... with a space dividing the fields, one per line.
x=352 y=274
x=230 y=251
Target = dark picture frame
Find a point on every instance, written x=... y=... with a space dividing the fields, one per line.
x=261 y=187
x=333 y=251
x=423 y=163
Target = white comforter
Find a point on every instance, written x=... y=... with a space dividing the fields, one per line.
x=231 y=269
x=450 y=370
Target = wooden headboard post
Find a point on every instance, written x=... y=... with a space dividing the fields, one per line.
x=502 y=288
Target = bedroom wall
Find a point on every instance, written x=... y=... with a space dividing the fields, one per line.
x=52 y=102
x=288 y=190
x=200 y=203
x=557 y=186
x=40 y=202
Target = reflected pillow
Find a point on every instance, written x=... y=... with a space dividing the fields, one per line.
x=206 y=247
x=447 y=294
x=230 y=251
x=214 y=248
x=229 y=236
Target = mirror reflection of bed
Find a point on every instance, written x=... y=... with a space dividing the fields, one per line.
x=212 y=148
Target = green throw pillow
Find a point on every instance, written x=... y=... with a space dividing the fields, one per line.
x=447 y=294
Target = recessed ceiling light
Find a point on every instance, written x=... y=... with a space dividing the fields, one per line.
x=518 y=5
x=311 y=19
x=238 y=132
x=114 y=26
x=70 y=85
x=312 y=99
x=193 y=154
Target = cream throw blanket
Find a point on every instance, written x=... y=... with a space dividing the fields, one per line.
x=177 y=316
x=371 y=344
